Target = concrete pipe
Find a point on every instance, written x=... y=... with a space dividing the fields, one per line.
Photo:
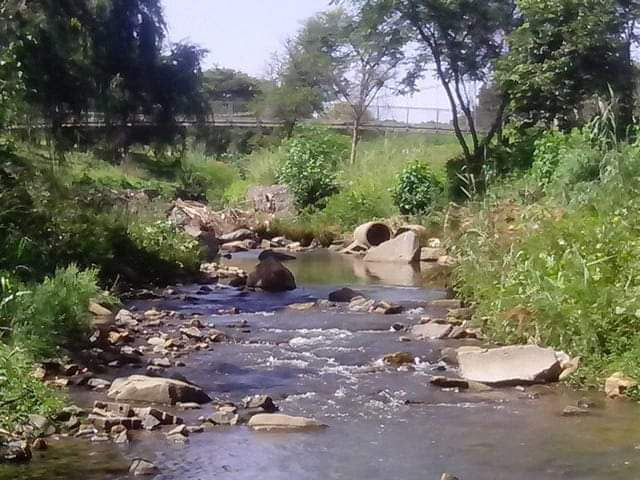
x=372 y=234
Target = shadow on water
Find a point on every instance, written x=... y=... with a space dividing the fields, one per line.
x=384 y=423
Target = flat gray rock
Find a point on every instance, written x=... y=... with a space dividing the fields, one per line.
x=431 y=331
x=402 y=249
x=513 y=365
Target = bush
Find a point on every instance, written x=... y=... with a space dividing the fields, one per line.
x=563 y=161
x=55 y=313
x=21 y=394
x=203 y=179
x=352 y=207
x=163 y=240
x=310 y=170
x=416 y=189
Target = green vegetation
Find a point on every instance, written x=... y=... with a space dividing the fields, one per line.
x=551 y=257
x=309 y=171
x=22 y=394
x=417 y=189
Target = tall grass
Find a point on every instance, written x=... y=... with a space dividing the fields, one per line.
x=558 y=263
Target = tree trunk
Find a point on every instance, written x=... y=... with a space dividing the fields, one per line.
x=355 y=139
x=627 y=93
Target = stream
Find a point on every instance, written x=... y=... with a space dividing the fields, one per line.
x=384 y=423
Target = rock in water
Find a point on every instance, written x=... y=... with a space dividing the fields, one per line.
x=431 y=331
x=279 y=256
x=155 y=390
x=402 y=249
x=141 y=467
x=398 y=359
x=237 y=236
x=448 y=476
x=344 y=295
x=514 y=365
x=15 y=452
x=277 y=421
x=271 y=276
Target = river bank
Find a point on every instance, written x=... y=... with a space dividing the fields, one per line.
x=325 y=363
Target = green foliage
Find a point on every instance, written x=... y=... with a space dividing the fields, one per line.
x=202 y=178
x=262 y=165
x=549 y=150
x=55 y=314
x=351 y=208
x=563 y=52
x=310 y=171
x=163 y=240
x=417 y=189
x=21 y=394
x=236 y=193
x=569 y=260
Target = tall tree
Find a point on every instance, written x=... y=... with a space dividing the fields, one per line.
x=564 y=52
x=356 y=57
x=460 y=39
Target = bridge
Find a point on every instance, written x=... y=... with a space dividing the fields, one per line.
x=235 y=115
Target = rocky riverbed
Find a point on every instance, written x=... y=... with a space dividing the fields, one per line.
x=388 y=404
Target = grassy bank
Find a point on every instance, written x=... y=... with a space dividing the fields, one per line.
x=363 y=190
x=70 y=230
x=551 y=256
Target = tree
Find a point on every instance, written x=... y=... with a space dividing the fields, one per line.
x=109 y=56
x=351 y=58
x=564 y=52
x=227 y=85
x=461 y=39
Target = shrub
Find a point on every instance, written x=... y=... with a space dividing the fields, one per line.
x=416 y=189
x=55 y=313
x=21 y=394
x=352 y=207
x=310 y=170
x=563 y=161
x=203 y=179
x=236 y=193
x=262 y=165
x=163 y=240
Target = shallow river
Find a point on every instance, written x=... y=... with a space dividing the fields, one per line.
x=384 y=424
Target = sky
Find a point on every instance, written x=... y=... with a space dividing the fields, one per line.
x=243 y=34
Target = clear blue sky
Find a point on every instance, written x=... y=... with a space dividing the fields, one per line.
x=239 y=34
x=242 y=34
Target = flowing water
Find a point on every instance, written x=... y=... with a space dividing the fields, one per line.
x=384 y=423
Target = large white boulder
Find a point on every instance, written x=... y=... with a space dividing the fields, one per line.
x=278 y=421
x=513 y=365
x=155 y=390
x=402 y=249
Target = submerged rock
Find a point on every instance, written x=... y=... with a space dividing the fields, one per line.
x=271 y=276
x=277 y=421
x=573 y=411
x=514 y=365
x=402 y=249
x=156 y=390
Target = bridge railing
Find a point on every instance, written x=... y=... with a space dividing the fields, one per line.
x=237 y=114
